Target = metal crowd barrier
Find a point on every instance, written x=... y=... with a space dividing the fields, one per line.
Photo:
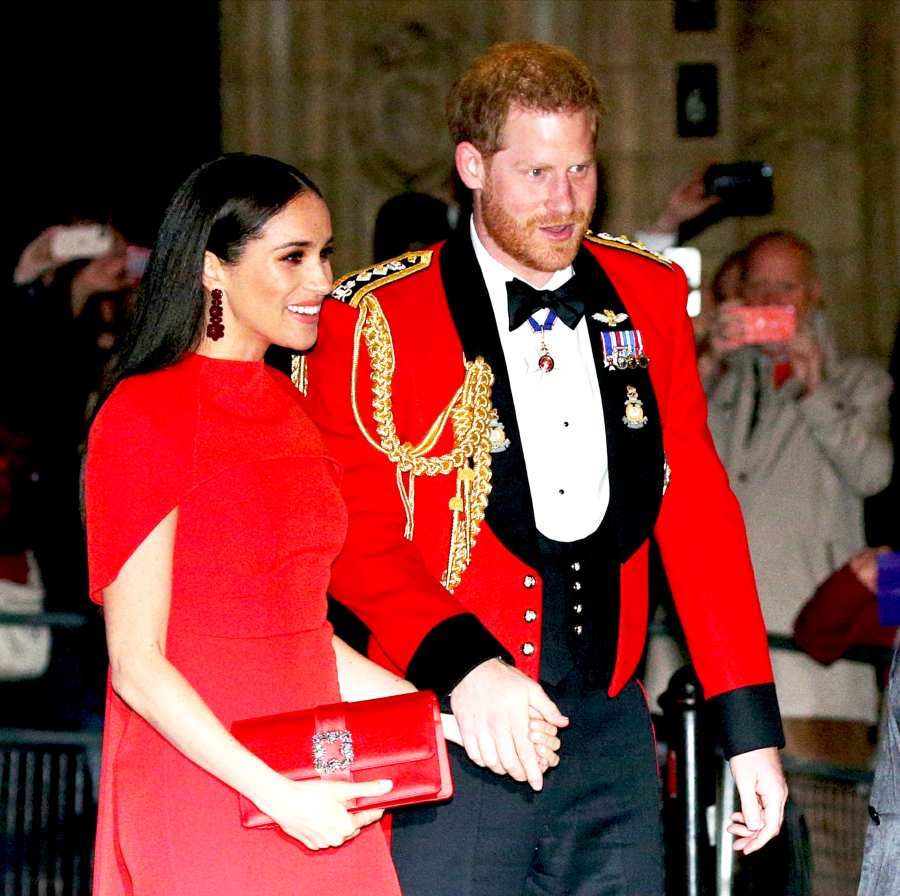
x=48 y=812
x=47 y=808
x=820 y=846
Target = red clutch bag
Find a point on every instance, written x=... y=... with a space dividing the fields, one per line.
x=399 y=738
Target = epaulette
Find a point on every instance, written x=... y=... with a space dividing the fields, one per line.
x=352 y=288
x=622 y=242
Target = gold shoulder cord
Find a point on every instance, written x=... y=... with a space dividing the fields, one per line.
x=299 y=373
x=470 y=411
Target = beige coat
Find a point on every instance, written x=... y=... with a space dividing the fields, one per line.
x=801 y=477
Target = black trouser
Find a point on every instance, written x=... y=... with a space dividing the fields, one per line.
x=594 y=829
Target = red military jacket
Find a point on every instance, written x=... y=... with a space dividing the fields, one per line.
x=665 y=480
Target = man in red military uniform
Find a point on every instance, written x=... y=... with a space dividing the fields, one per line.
x=518 y=413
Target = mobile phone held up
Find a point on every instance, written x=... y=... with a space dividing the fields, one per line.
x=136 y=261
x=756 y=325
x=745 y=188
x=81 y=241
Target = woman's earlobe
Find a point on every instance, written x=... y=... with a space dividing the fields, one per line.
x=212 y=271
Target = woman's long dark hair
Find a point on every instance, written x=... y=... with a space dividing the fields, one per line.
x=219 y=208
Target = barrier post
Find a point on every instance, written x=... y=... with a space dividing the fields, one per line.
x=690 y=858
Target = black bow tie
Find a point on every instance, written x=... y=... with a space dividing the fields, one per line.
x=524 y=300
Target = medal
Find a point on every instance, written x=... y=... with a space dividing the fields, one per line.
x=634 y=409
x=545 y=359
x=623 y=350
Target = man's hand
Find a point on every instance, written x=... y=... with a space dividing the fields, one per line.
x=763 y=791
x=493 y=705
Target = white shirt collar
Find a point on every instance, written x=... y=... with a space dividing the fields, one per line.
x=496 y=275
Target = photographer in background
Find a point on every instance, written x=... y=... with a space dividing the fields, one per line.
x=60 y=320
x=802 y=430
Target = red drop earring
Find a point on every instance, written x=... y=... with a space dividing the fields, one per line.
x=215 y=329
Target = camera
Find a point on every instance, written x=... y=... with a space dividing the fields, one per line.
x=745 y=188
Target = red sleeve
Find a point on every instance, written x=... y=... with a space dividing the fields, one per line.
x=702 y=538
x=379 y=575
x=135 y=473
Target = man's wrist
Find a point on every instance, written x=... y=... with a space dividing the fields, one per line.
x=445 y=700
x=450 y=651
x=748 y=719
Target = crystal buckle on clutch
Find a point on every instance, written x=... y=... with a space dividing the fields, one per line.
x=320 y=744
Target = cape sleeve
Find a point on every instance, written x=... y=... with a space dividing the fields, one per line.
x=137 y=469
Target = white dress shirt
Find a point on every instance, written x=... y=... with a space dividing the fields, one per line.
x=559 y=412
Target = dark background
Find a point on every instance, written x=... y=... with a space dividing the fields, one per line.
x=111 y=106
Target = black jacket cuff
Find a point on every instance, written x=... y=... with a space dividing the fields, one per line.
x=748 y=719
x=450 y=651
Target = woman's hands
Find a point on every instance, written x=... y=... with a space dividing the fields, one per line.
x=315 y=812
x=540 y=732
x=544 y=737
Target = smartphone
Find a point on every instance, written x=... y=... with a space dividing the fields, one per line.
x=757 y=325
x=81 y=241
x=136 y=261
x=745 y=188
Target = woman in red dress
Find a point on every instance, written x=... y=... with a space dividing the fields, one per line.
x=213 y=516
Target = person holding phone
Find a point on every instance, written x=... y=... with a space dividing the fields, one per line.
x=802 y=430
x=213 y=515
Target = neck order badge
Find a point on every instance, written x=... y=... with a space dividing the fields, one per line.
x=545 y=359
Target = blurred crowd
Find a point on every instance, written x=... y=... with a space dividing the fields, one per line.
x=61 y=316
x=807 y=433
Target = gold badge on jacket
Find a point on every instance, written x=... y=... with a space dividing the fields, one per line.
x=610 y=317
x=634 y=409
x=499 y=442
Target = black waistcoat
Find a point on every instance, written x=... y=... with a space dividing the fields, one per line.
x=585 y=638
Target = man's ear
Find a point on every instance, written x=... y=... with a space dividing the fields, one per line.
x=470 y=164
x=213 y=272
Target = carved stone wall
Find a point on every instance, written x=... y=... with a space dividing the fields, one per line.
x=818 y=94
x=352 y=91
